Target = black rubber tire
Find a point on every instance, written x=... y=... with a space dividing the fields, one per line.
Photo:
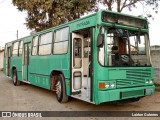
x=62 y=97
x=16 y=82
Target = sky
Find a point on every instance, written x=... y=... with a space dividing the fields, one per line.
x=12 y=20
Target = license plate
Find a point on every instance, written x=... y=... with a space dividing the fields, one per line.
x=149 y=91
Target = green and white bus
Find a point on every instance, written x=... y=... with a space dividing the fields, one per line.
x=103 y=57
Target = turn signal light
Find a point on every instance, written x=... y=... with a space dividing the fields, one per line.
x=101 y=85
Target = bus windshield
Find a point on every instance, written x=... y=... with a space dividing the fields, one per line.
x=124 y=48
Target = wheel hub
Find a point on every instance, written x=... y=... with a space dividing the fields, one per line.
x=58 y=88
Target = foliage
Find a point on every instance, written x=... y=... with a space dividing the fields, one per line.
x=121 y=4
x=42 y=14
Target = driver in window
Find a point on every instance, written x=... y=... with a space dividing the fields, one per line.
x=115 y=56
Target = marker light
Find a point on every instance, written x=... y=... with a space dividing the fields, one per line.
x=113 y=85
x=147 y=81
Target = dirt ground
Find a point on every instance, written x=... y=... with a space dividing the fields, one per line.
x=31 y=98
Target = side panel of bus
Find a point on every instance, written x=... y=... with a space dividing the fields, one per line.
x=41 y=66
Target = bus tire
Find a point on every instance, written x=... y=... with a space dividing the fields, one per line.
x=61 y=90
x=16 y=82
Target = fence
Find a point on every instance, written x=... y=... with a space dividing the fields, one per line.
x=157 y=75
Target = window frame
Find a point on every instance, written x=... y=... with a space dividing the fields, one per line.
x=147 y=42
x=20 y=42
x=39 y=38
x=15 y=55
x=35 y=46
x=144 y=41
x=54 y=38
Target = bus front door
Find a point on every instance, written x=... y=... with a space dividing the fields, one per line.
x=80 y=82
x=26 y=54
x=77 y=63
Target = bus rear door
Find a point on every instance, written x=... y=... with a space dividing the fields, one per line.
x=8 y=60
x=26 y=54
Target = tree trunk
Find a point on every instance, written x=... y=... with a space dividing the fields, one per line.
x=118 y=5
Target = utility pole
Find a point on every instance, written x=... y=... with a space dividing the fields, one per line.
x=17 y=34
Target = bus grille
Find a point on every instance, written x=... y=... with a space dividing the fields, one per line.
x=134 y=78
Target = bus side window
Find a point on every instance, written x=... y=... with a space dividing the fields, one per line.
x=15 y=49
x=34 y=45
x=20 y=48
x=45 y=43
x=61 y=41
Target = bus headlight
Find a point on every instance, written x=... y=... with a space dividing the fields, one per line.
x=147 y=81
x=151 y=82
x=107 y=85
x=113 y=85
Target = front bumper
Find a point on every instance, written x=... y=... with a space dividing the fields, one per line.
x=124 y=93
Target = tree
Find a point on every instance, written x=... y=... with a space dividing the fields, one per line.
x=42 y=14
x=121 y=4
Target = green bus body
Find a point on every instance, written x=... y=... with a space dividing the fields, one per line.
x=124 y=82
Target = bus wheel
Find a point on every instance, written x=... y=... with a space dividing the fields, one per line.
x=60 y=90
x=16 y=82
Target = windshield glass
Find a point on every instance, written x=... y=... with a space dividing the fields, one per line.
x=124 y=48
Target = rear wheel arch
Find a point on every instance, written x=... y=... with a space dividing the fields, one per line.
x=54 y=78
x=57 y=83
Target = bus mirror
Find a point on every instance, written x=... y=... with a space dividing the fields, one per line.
x=100 y=40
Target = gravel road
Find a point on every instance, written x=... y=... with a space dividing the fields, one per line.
x=31 y=98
